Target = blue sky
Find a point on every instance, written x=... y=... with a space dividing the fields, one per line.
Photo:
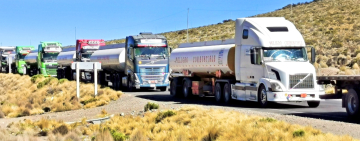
x=25 y=22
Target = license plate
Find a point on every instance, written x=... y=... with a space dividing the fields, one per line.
x=152 y=85
x=303 y=95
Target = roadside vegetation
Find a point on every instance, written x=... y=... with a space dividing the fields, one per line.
x=24 y=95
x=188 y=123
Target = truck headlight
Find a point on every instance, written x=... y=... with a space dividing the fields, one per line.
x=275 y=87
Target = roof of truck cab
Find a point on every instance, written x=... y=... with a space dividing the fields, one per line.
x=148 y=36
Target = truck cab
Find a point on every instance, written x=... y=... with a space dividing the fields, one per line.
x=46 y=59
x=4 y=52
x=266 y=62
x=147 y=62
x=21 y=52
x=84 y=49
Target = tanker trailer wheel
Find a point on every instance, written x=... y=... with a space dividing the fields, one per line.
x=218 y=92
x=227 y=93
x=186 y=89
x=352 y=103
x=174 y=91
x=262 y=97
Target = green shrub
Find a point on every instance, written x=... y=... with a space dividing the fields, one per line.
x=63 y=80
x=45 y=82
x=118 y=136
x=150 y=106
x=35 y=77
x=163 y=115
x=299 y=133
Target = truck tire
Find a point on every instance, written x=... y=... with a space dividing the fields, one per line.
x=262 y=97
x=174 y=91
x=313 y=104
x=186 y=90
x=218 y=92
x=129 y=86
x=227 y=93
x=352 y=103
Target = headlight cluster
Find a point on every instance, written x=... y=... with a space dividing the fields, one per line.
x=276 y=87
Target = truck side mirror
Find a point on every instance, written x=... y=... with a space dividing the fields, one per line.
x=313 y=55
x=252 y=56
x=171 y=50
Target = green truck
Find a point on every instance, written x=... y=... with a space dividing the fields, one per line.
x=43 y=60
x=20 y=53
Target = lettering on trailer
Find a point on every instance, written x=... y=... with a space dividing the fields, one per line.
x=93 y=42
x=286 y=43
x=103 y=58
x=62 y=58
x=220 y=58
x=204 y=59
x=181 y=60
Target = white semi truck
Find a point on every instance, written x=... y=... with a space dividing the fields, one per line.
x=266 y=62
x=4 y=52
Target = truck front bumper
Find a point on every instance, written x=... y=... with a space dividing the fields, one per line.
x=138 y=86
x=293 y=96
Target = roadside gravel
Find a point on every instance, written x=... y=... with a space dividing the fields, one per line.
x=131 y=104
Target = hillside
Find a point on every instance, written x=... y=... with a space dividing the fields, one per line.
x=331 y=26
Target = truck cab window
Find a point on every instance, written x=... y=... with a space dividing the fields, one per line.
x=255 y=56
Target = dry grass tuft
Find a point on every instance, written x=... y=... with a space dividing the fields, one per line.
x=189 y=123
x=24 y=96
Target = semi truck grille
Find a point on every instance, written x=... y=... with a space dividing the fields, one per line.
x=295 y=80
x=152 y=69
x=51 y=67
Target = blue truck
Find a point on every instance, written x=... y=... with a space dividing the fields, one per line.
x=141 y=62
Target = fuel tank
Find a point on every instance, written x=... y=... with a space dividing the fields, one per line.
x=111 y=57
x=66 y=57
x=31 y=58
x=204 y=60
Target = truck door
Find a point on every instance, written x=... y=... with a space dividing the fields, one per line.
x=256 y=73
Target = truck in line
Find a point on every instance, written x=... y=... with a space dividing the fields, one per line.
x=4 y=52
x=141 y=62
x=80 y=53
x=20 y=53
x=266 y=62
x=43 y=60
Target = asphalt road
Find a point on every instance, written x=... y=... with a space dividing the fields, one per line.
x=328 y=109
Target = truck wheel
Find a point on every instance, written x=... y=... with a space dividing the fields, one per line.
x=352 y=103
x=186 y=89
x=173 y=88
x=218 y=92
x=129 y=85
x=227 y=93
x=313 y=104
x=262 y=97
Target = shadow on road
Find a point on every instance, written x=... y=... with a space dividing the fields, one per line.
x=334 y=116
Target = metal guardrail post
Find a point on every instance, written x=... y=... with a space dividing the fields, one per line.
x=77 y=81
x=95 y=79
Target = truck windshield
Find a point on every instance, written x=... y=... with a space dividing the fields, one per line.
x=151 y=51
x=87 y=56
x=50 y=56
x=21 y=57
x=284 y=54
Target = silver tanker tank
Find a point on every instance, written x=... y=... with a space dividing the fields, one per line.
x=111 y=57
x=204 y=60
x=66 y=57
x=31 y=58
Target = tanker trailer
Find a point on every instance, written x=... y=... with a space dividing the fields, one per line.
x=141 y=62
x=31 y=63
x=266 y=62
x=64 y=59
